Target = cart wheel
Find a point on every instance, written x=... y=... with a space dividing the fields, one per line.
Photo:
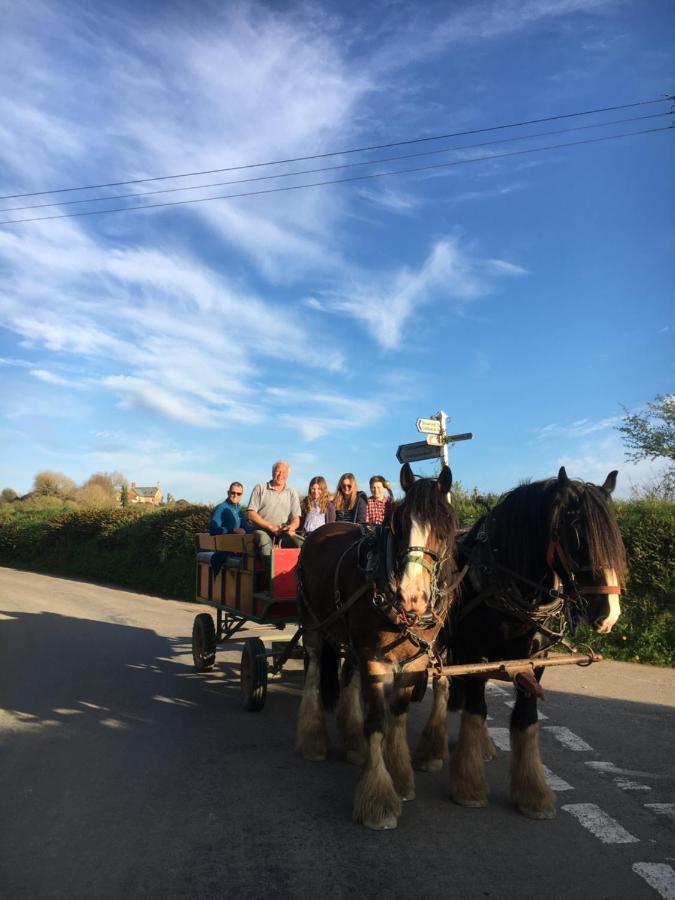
x=203 y=642
x=253 y=675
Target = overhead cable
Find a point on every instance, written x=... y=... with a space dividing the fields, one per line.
x=438 y=137
x=353 y=178
x=351 y=165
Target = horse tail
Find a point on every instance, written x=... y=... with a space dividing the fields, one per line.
x=329 y=682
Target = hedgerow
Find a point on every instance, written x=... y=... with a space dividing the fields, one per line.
x=153 y=551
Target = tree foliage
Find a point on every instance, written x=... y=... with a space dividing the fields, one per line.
x=651 y=434
x=53 y=484
x=8 y=495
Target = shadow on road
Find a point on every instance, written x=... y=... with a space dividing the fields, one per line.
x=125 y=774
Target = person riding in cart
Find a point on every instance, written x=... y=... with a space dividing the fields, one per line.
x=228 y=517
x=274 y=511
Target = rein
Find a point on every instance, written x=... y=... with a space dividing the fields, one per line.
x=567 y=605
x=381 y=579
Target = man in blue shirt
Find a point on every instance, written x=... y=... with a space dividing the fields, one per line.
x=227 y=517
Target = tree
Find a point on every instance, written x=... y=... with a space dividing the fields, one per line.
x=651 y=435
x=53 y=484
x=124 y=496
x=103 y=481
x=8 y=495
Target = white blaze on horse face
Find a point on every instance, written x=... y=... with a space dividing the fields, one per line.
x=415 y=579
x=610 y=579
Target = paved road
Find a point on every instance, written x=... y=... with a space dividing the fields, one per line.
x=125 y=775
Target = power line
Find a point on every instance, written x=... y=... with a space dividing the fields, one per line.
x=370 y=162
x=588 y=112
x=369 y=176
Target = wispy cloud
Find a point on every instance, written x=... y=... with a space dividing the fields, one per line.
x=578 y=429
x=450 y=274
x=53 y=378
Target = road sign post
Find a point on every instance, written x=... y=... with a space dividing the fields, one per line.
x=416 y=452
x=437 y=439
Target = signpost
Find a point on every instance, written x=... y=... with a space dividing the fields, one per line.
x=416 y=452
x=435 y=446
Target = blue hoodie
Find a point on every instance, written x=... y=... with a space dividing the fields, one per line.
x=228 y=516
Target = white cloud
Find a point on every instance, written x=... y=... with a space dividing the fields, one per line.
x=52 y=378
x=450 y=273
x=580 y=428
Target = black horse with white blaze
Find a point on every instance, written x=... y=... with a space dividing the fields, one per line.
x=548 y=556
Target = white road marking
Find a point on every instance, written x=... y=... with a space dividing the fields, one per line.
x=604 y=827
x=501 y=737
x=659 y=876
x=496 y=689
x=555 y=782
x=609 y=768
x=626 y=785
x=567 y=738
x=540 y=715
x=662 y=809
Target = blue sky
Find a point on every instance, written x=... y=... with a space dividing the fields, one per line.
x=527 y=296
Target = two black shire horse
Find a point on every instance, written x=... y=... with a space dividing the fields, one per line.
x=383 y=598
x=548 y=556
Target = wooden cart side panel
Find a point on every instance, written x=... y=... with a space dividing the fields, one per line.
x=205 y=541
x=235 y=543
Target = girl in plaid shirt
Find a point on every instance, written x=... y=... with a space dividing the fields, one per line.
x=379 y=505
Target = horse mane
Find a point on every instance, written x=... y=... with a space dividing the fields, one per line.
x=428 y=505
x=526 y=518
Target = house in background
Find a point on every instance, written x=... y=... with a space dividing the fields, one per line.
x=151 y=495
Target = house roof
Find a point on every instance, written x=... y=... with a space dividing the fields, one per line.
x=145 y=491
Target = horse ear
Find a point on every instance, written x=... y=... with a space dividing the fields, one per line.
x=610 y=481
x=407 y=478
x=563 y=480
x=445 y=480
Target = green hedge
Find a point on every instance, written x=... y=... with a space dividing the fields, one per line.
x=148 y=551
x=153 y=551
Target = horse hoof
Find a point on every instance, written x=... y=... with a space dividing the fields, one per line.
x=470 y=804
x=537 y=813
x=409 y=796
x=381 y=824
x=355 y=757
x=429 y=765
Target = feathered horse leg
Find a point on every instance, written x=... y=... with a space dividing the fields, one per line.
x=350 y=714
x=311 y=737
x=376 y=803
x=432 y=746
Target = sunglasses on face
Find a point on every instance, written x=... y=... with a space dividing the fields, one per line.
x=346 y=484
x=236 y=493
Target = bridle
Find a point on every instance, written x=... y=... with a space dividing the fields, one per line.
x=565 y=603
x=434 y=566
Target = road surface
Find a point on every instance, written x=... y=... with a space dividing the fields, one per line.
x=126 y=775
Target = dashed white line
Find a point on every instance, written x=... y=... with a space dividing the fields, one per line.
x=555 y=782
x=659 y=876
x=662 y=809
x=501 y=737
x=609 y=768
x=567 y=738
x=492 y=688
x=540 y=715
x=626 y=785
x=604 y=827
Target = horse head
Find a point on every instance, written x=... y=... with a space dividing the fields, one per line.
x=424 y=526
x=585 y=548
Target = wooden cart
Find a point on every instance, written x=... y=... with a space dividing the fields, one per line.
x=243 y=587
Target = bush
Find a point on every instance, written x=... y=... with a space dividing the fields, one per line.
x=646 y=630
x=153 y=550
x=142 y=548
